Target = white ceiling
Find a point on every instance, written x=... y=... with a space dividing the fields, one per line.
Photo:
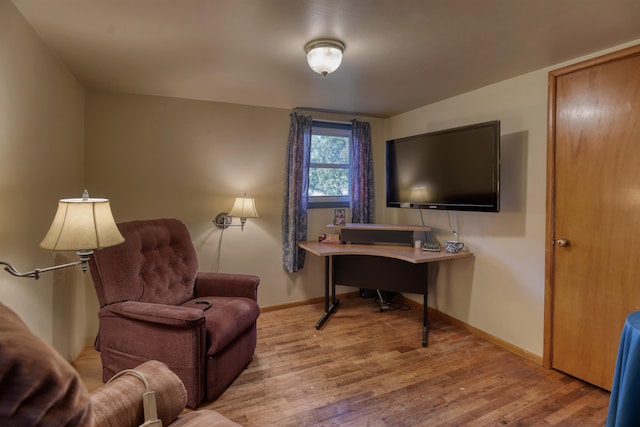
x=400 y=54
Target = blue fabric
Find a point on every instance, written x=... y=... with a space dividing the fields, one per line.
x=294 y=212
x=361 y=182
x=624 y=404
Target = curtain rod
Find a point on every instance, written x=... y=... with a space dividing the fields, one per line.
x=332 y=121
x=311 y=112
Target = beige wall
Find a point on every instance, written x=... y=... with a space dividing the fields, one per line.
x=500 y=291
x=167 y=157
x=155 y=157
x=41 y=158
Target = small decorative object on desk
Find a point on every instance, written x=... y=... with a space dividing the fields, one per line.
x=338 y=217
x=453 y=246
x=431 y=246
x=331 y=238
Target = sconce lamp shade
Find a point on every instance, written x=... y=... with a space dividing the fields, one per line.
x=82 y=224
x=244 y=207
x=324 y=56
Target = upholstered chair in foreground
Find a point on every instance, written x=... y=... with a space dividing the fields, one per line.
x=155 y=305
x=39 y=388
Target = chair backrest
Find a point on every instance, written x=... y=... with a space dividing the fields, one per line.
x=157 y=263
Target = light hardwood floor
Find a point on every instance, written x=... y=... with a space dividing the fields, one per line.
x=366 y=368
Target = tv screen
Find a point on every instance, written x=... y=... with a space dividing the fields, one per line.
x=452 y=169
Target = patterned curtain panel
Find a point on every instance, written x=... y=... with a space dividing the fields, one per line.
x=294 y=213
x=361 y=173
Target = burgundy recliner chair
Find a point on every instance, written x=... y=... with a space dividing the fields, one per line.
x=155 y=305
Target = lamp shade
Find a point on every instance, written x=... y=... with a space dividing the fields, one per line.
x=324 y=56
x=244 y=207
x=82 y=224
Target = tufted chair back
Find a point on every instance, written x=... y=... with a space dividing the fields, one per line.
x=157 y=263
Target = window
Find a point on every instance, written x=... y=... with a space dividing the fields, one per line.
x=329 y=165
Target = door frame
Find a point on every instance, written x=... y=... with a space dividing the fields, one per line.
x=547 y=352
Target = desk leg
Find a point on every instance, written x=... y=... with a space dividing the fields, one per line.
x=425 y=323
x=425 y=318
x=330 y=301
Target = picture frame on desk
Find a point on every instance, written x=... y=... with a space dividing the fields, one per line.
x=339 y=217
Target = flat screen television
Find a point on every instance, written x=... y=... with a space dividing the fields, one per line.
x=452 y=169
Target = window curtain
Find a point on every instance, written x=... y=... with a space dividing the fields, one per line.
x=361 y=173
x=294 y=214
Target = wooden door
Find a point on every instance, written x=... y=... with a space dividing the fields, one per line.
x=593 y=217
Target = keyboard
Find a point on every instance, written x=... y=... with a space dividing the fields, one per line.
x=431 y=246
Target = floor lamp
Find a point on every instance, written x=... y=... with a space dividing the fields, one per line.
x=80 y=225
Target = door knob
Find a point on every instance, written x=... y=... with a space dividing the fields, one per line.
x=562 y=242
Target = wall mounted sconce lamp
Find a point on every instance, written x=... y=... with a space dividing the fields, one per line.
x=80 y=225
x=324 y=56
x=244 y=207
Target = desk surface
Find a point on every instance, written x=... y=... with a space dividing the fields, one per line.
x=404 y=253
x=379 y=227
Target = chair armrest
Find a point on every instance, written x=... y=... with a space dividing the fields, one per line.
x=119 y=403
x=132 y=332
x=171 y=315
x=226 y=285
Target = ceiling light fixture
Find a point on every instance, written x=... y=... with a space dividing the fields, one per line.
x=324 y=56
